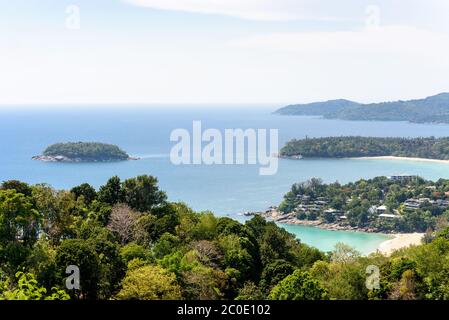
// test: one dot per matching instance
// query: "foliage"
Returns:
(86, 191)
(86, 151)
(142, 194)
(27, 288)
(80, 253)
(149, 283)
(347, 147)
(298, 286)
(358, 201)
(165, 250)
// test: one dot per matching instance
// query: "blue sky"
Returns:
(221, 51)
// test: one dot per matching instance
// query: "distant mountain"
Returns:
(430, 109)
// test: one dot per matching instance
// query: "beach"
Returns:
(402, 240)
(402, 158)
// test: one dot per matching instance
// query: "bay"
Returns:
(225, 190)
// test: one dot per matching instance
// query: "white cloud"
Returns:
(392, 40)
(249, 9)
(393, 11)
(184, 65)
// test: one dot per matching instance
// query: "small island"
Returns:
(357, 147)
(83, 152)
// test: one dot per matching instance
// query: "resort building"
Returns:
(389, 216)
(402, 177)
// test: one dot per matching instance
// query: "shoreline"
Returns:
(397, 240)
(415, 159)
(325, 226)
(400, 241)
(64, 159)
(402, 158)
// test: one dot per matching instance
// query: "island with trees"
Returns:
(400, 204)
(83, 152)
(131, 243)
(353, 147)
(434, 109)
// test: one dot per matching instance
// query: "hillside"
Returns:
(83, 152)
(431, 109)
(348, 147)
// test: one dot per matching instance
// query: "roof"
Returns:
(386, 215)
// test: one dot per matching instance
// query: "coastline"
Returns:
(323, 225)
(387, 247)
(400, 240)
(397, 240)
(44, 158)
(401, 158)
(275, 215)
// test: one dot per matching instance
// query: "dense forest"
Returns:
(410, 204)
(86, 151)
(130, 242)
(430, 109)
(347, 147)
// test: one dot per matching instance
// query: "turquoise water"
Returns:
(327, 239)
(225, 190)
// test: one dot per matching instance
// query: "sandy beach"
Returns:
(403, 158)
(400, 240)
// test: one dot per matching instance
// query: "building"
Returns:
(381, 209)
(402, 177)
(389, 216)
(414, 204)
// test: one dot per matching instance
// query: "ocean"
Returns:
(223, 189)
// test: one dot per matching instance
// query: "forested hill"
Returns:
(430, 109)
(83, 151)
(130, 243)
(347, 147)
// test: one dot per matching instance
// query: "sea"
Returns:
(226, 190)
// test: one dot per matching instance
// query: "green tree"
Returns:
(298, 286)
(27, 288)
(111, 192)
(19, 221)
(274, 272)
(20, 187)
(87, 191)
(134, 251)
(149, 283)
(19, 225)
(81, 254)
(142, 193)
(250, 291)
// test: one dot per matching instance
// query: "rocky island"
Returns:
(83, 152)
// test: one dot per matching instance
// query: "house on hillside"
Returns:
(402, 177)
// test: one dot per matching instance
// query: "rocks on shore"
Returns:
(66, 159)
(273, 213)
(53, 159)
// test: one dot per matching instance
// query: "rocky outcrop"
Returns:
(274, 214)
(53, 159)
(66, 159)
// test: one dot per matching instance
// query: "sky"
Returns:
(56, 52)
